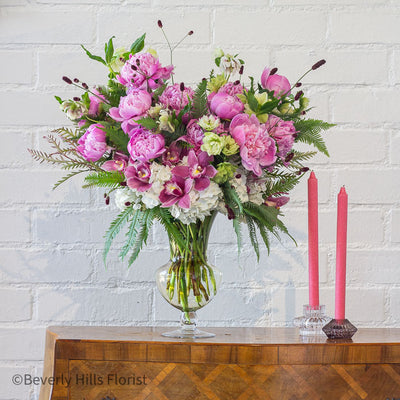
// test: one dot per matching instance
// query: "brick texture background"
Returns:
(51, 270)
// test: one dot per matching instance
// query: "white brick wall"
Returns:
(51, 269)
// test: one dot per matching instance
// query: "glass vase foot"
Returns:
(339, 329)
(188, 329)
(312, 321)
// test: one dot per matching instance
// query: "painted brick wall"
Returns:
(51, 270)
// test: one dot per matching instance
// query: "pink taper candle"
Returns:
(341, 248)
(313, 277)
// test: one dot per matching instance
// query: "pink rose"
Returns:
(275, 83)
(283, 132)
(257, 148)
(143, 71)
(92, 145)
(145, 145)
(95, 102)
(225, 105)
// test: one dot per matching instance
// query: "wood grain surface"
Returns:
(238, 363)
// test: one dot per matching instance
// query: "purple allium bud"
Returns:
(236, 83)
(108, 200)
(66, 79)
(238, 176)
(318, 64)
(298, 94)
(241, 70)
(204, 79)
(182, 86)
(304, 169)
(84, 85)
(76, 80)
(134, 67)
(122, 183)
(137, 62)
(298, 84)
(190, 33)
(77, 99)
(273, 71)
(128, 203)
(289, 157)
(159, 23)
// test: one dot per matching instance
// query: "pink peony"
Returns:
(283, 132)
(257, 148)
(275, 83)
(198, 169)
(194, 135)
(138, 176)
(145, 145)
(225, 105)
(231, 88)
(136, 103)
(92, 145)
(174, 98)
(175, 191)
(95, 103)
(144, 71)
(118, 163)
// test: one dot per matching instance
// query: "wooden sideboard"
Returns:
(132, 363)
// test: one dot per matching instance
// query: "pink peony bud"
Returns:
(275, 83)
(92, 145)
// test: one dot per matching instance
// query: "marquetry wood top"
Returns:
(240, 336)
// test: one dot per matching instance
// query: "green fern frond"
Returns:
(117, 137)
(166, 219)
(200, 100)
(309, 132)
(131, 233)
(253, 235)
(103, 179)
(115, 228)
(66, 177)
(238, 230)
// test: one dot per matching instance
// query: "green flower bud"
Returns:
(166, 122)
(118, 60)
(212, 143)
(304, 102)
(285, 108)
(216, 82)
(225, 172)
(209, 123)
(230, 146)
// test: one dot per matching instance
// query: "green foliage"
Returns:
(131, 233)
(168, 221)
(309, 132)
(113, 92)
(253, 235)
(115, 228)
(66, 177)
(281, 182)
(118, 137)
(93, 57)
(200, 107)
(138, 44)
(103, 179)
(147, 122)
(109, 50)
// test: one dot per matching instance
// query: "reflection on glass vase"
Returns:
(188, 281)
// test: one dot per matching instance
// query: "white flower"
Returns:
(256, 191)
(126, 195)
(229, 64)
(239, 183)
(74, 109)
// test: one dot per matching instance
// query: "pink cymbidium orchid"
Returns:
(138, 176)
(199, 169)
(177, 191)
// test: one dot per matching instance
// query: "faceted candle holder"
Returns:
(312, 321)
(339, 329)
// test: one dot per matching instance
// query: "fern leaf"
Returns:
(309, 132)
(165, 218)
(66, 177)
(200, 100)
(131, 234)
(114, 229)
(118, 137)
(253, 235)
(103, 179)
(238, 230)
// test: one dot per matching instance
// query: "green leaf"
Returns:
(166, 219)
(92, 56)
(85, 99)
(114, 229)
(147, 122)
(309, 132)
(138, 44)
(109, 50)
(58, 99)
(131, 234)
(253, 235)
(253, 103)
(238, 231)
(66, 177)
(218, 61)
(200, 106)
(268, 106)
(104, 179)
(117, 137)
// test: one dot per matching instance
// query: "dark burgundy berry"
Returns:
(318, 64)
(159, 23)
(273, 71)
(66, 79)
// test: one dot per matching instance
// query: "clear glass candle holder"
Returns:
(312, 321)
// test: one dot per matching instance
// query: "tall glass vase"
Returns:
(188, 281)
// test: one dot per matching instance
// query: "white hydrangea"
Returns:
(239, 183)
(256, 190)
(159, 175)
(127, 195)
(201, 204)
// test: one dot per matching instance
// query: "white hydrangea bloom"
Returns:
(256, 191)
(159, 175)
(239, 183)
(126, 195)
(201, 204)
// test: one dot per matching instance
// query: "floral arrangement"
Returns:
(179, 155)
